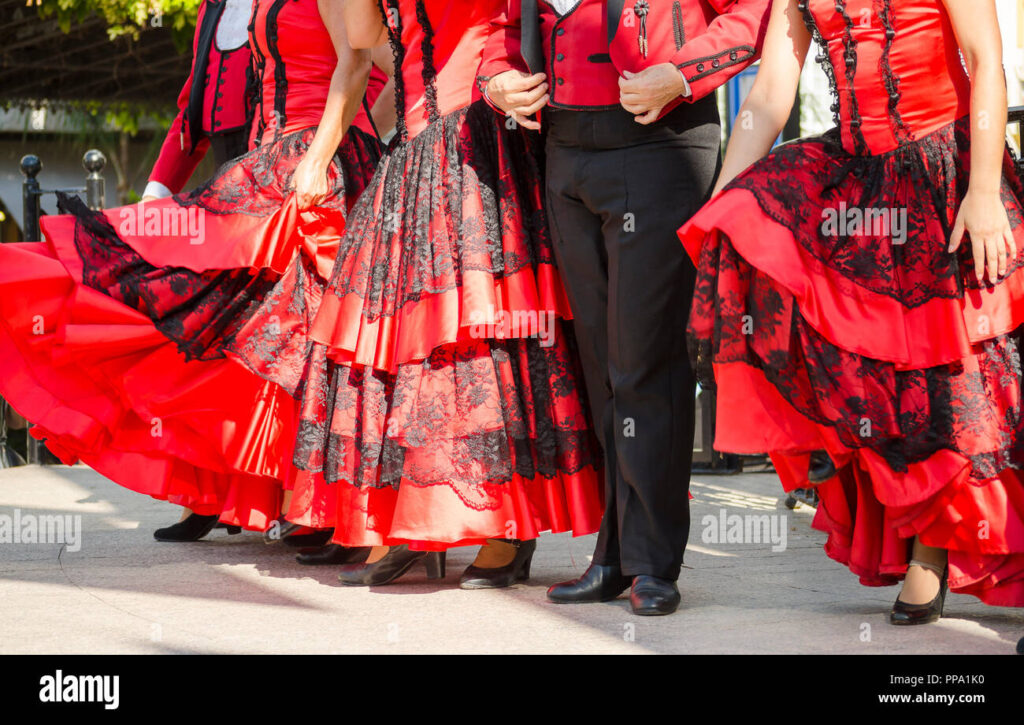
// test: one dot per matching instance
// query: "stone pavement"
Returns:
(123, 592)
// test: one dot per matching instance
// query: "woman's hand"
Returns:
(983, 217)
(309, 183)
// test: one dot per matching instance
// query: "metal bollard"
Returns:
(94, 162)
(30, 193)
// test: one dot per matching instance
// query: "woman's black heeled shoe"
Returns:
(821, 467)
(332, 554)
(391, 566)
(903, 613)
(279, 528)
(517, 570)
(319, 537)
(192, 528)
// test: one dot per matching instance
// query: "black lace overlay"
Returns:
(464, 194)
(922, 182)
(199, 312)
(467, 416)
(256, 183)
(203, 313)
(906, 416)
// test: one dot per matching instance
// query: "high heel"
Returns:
(314, 537)
(332, 554)
(903, 613)
(391, 566)
(191, 528)
(279, 528)
(518, 570)
(821, 467)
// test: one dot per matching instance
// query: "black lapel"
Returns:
(530, 47)
(614, 17)
(194, 111)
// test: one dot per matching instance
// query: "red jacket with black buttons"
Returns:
(223, 110)
(710, 41)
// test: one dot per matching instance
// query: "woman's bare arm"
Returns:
(348, 84)
(770, 101)
(982, 215)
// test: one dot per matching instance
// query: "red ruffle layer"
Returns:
(105, 387)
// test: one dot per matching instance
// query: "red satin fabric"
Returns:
(103, 386)
(295, 57)
(846, 328)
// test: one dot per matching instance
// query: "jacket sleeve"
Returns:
(174, 165)
(731, 43)
(501, 53)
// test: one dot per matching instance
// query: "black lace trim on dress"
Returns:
(280, 78)
(389, 7)
(822, 58)
(200, 312)
(257, 64)
(926, 178)
(860, 145)
(429, 71)
(900, 130)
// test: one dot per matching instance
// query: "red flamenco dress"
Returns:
(119, 331)
(435, 416)
(872, 341)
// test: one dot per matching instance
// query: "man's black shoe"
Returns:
(651, 596)
(598, 584)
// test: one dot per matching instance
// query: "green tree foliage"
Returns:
(127, 17)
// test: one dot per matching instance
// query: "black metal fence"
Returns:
(31, 194)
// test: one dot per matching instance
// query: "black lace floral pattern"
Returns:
(203, 312)
(199, 312)
(926, 180)
(462, 195)
(257, 183)
(972, 407)
(470, 415)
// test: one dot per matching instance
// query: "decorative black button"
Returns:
(560, 56)
(561, 81)
(220, 108)
(715, 63)
(733, 55)
(561, 31)
(700, 67)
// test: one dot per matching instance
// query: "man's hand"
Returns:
(519, 95)
(646, 93)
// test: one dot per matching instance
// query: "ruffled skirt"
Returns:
(442, 403)
(829, 315)
(117, 332)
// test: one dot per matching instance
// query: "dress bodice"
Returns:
(438, 45)
(294, 55)
(895, 65)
